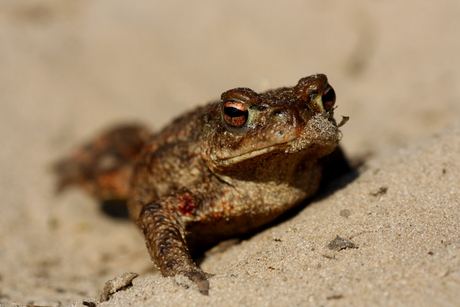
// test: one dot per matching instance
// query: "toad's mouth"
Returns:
(257, 152)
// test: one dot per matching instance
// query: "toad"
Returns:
(221, 170)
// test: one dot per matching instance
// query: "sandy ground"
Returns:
(70, 68)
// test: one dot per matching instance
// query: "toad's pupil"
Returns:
(234, 112)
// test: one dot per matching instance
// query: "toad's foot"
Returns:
(165, 241)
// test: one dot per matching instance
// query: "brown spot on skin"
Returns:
(227, 206)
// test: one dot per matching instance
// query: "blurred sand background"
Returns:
(70, 68)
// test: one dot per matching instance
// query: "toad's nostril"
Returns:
(280, 115)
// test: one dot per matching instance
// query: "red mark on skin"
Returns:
(187, 205)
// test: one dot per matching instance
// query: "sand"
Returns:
(70, 69)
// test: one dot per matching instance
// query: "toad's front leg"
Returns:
(165, 239)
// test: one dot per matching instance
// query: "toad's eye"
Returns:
(235, 113)
(328, 98)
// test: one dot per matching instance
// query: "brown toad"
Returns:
(222, 170)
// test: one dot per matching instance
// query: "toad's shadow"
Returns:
(116, 209)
